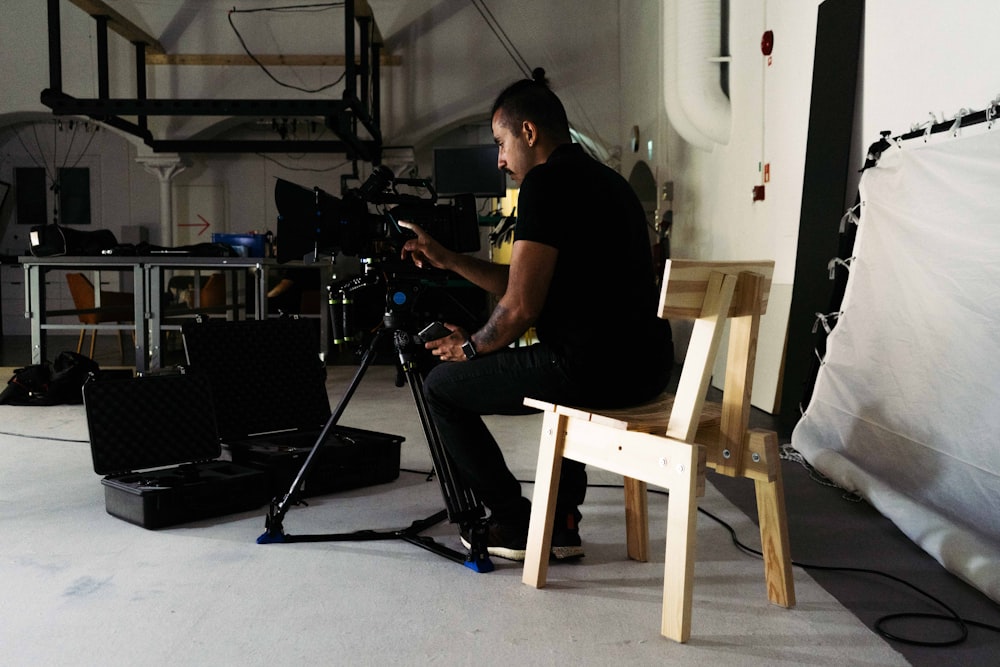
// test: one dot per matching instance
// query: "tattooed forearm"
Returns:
(503, 328)
(489, 338)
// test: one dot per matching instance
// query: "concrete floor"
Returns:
(84, 588)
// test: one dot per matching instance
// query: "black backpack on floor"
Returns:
(50, 383)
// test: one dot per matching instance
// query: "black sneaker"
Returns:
(566, 543)
(502, 540)
(510, 542)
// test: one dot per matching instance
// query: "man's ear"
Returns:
(530, 132)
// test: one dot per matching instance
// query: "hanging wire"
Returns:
(283, 165)
(76, 128)
(52, 172)
(287, 8)
(38, 144)
(519, 61)
(502, 37)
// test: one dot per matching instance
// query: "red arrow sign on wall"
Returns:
(203, 224)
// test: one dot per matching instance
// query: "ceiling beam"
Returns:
(120, 24)
(364, 150)
(270, 60)
(63, 105)
(362, 8)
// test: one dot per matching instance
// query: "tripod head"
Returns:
(397, 295)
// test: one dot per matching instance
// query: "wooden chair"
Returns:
(671, 441)
(213, 292)
(115, 307)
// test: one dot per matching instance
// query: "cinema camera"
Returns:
(312, 222)
(391, 291)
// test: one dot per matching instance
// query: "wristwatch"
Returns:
(470, 349)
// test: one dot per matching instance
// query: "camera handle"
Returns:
(461, 506)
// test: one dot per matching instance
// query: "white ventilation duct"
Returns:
(696, 105)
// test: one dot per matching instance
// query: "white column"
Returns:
(165, 167)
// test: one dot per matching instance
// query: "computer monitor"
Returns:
(468, 169)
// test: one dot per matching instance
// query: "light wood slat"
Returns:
(684, 283)
(268, 60)
(736, 391)
(120, 24)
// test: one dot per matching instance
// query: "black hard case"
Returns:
(271, 404)
(155, 440)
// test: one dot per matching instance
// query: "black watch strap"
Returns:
(470, 349)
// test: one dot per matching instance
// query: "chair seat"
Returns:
(653, 416)
(649, 417)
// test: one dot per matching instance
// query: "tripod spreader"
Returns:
(461, 505)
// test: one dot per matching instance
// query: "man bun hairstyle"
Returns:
(532, 100)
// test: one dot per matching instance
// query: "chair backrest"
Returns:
(115, 306)
(213, 292)
(712, 293)
(82, 291)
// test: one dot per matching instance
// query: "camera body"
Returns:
(313, 222)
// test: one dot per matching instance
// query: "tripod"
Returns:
(461, 506)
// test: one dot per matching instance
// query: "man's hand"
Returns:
(449, 348)
(424, 249)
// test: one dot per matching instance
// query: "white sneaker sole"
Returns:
(559, 553)
(500, 552)
(566, 553)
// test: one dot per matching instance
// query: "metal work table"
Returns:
(155, 266)
(147, 283)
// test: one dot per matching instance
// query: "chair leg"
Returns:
(93, 341)
(774, 529)
(678, 570)
(543, 501)
(636, 520)
(79, 342)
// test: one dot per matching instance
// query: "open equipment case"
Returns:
(271, 404)
(154, 439)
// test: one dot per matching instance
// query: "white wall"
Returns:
(715, 216)
(924, 57)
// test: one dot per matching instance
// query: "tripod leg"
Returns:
(276, 512)
(462, 505)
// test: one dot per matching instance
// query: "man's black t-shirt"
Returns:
(600, 312)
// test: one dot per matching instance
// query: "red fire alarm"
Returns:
(767, 42)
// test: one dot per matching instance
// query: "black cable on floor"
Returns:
(43, 437)
(879, 626)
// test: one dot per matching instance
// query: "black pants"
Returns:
(458, 394)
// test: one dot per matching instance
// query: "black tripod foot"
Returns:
(480, 565)
(478, 558)
(274, 532)
(271, 538)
